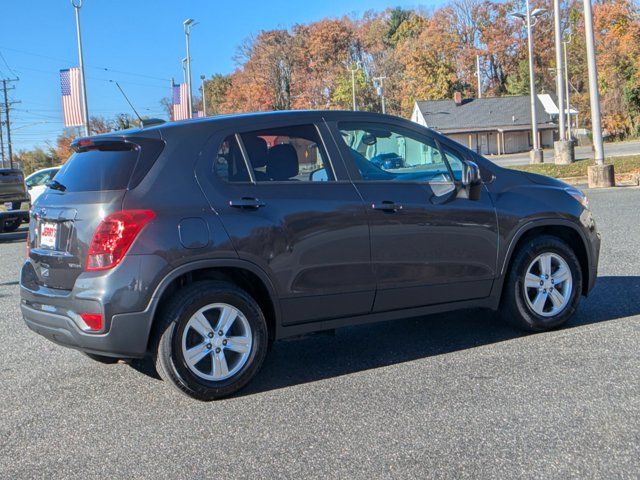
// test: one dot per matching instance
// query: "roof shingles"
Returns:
(481, 113)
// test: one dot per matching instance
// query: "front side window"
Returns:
(287, 154)
(384, 152)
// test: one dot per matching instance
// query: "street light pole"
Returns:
(188, 25)
(567, 90)
(537, 155)
(564, 150)
(77, 5)
(600, 175)
(559, 69)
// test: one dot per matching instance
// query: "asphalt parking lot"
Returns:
(457, 396)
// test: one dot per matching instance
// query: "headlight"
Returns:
(578, 195)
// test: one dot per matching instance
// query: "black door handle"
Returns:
(387, 206)
(247, 202)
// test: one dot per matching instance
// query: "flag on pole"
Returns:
(198, 114)
(180, 102)
(71, 97)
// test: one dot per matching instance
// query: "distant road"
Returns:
(610, 149)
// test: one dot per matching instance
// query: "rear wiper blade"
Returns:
(56, 185)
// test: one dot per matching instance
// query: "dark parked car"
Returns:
(13, 195)
(201, 242)
(387, 161)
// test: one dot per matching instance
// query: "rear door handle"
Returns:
(247, 202)
(387, 206)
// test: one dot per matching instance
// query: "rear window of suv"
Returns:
(99, 169)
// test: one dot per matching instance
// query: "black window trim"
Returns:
(245, 158)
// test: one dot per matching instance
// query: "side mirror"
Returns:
(319, 175)
(472, 180)
(471, 174)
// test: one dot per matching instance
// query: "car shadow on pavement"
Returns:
(353, 349)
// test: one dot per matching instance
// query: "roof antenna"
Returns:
(129, 102)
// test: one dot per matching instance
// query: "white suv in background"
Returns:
(37, 181)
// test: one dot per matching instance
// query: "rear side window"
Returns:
(96, 170)
(229, 164)
(287, 154)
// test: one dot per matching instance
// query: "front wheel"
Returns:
(544, 285)
(212, 340)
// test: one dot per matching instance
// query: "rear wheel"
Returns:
(212, 339)
(544, 285)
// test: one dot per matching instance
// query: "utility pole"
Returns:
(478, 75)
(204, 97)
(77, 5)
(380, 89)
(7, 122)
(600, 175)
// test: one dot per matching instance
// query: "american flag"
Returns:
(180, 102)
(71, 97)
(198, 114)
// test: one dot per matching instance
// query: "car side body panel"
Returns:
(311, 253)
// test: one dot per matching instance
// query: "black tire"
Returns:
(173, 319)
(11, 226)
(515, 308)
(102, 358)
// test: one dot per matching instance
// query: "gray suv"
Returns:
(199, 243)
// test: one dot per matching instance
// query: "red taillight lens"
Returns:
(114, 236)
(93, 321)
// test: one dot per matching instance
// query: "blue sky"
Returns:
(141, 43)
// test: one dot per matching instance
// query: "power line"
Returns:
(7, 65)
(106, 69)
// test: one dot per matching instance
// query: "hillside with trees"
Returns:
(430, 54)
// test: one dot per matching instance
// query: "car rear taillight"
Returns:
(92, 321)
(114, 236)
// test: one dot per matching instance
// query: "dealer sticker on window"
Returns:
(48, 233)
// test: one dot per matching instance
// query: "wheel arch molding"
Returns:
(221, 269)
(551, 226)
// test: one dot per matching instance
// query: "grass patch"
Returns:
(621, 165)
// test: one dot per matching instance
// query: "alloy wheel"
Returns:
(548, 284)
(216, 342)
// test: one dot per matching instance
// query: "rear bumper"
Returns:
(122, 296)
(125, 339)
